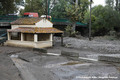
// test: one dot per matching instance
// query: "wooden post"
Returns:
(53, 39)
(61, 39)
(46, 8)
(90, 21)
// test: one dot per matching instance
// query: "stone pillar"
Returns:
(9, 36)
(51, 37)
(35, 38)
(22, 37)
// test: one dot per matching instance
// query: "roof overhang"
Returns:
(35, 30)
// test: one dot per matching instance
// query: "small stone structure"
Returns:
(31, 32)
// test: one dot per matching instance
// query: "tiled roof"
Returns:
(35, 30)
(26, 21)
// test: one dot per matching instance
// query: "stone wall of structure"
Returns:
(30, 44)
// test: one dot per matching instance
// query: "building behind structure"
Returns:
(5, 21)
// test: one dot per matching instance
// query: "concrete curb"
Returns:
(40, 50)
(109, 59)
(75, 56)
(69, 54)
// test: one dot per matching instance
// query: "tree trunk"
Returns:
(74, 26)
(76, 3)
(116, 5)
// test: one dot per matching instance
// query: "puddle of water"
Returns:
(53, 54)
(14, 56)
(90, 59)
(63, 64)
(72, 63)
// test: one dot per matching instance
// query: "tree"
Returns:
(76, 13)
(58, 10)
(34, 6)
(117, 6)
(110, 3)
(9, 6)
(104, 19)
(73, 14)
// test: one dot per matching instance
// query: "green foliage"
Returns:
(34, 6)
(115, 4)
(73, 34)
(118, 35)
(70, 32)
(73, 13)
(9, 6)
(112, 33)
(104, 19)
(58, 11)
(68, 9)
(111, 38)
(76, 13)
(110, 3)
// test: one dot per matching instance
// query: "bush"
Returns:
(118, 35)
(112, 33)
(69, 31)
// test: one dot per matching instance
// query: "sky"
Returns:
(97, 2)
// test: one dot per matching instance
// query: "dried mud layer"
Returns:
(98, 45)
(26, 64)
(8, 70)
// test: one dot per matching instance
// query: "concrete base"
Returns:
(110, 58)
(29, 44)
(70, 54)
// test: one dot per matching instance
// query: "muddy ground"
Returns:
(26, 64)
